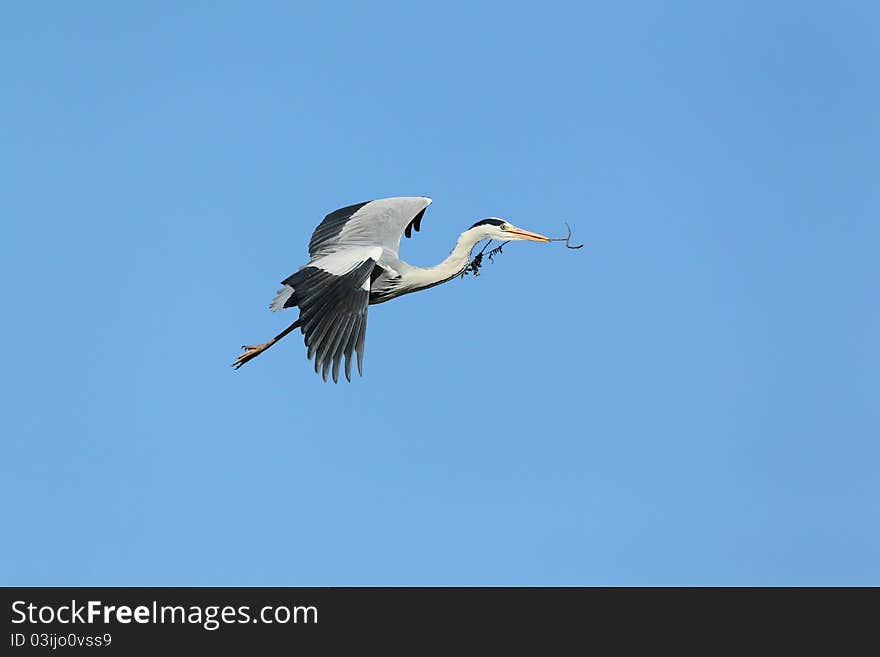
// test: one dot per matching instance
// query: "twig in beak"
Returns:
(566, 239)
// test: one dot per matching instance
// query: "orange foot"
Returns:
(251, 351)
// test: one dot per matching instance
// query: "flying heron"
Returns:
(354, 263)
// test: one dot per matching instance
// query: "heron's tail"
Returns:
(284, 298)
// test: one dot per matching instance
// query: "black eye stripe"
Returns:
(493, 222)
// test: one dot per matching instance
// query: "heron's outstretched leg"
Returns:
(252, 351)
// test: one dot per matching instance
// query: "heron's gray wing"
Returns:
(333, 303)
(375, 223)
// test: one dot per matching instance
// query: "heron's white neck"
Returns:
(456, 263)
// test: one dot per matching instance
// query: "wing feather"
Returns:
(333, 308)
(381, 222)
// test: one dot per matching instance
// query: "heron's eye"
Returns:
(505, 226)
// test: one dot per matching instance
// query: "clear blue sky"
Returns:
(690, 399)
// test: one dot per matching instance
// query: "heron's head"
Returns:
(494, 228)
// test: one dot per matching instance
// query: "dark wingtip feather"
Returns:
(415, 223)
(360, 346)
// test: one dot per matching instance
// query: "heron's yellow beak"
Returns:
(528, 235)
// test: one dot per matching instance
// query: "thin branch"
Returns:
(567, 239)
(477, 261)
(494, 252)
